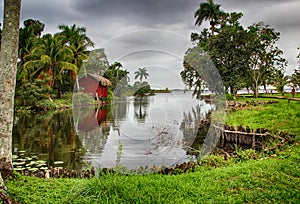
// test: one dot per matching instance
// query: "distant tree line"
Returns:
(244, 57)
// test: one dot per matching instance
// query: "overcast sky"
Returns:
(155, 33)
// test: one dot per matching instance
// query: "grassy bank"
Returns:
(282, 116)
(270, 180)
(274, 177)
(46, 104)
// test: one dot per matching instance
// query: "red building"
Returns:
(92, 84)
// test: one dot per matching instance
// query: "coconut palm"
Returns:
(208, 11)
(76, 37)
(50, 56)
(141, 73)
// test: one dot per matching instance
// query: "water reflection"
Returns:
(153, 130)
(140, 108)
(50, 136)
(92, 126)
(195, 126)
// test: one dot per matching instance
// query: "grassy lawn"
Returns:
(271, 179)
(282, 116)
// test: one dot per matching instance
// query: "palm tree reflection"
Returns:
(140, 108)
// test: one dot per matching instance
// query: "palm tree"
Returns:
(141, 73)
(208, 11)
(50, 56)
(76, 37)
(8, 66)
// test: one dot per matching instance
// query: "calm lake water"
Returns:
(155, 130)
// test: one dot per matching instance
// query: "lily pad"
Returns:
(18, 163)
(14, 157)
(58, 162)
(41, 162)
(44, 168)
(19, 168)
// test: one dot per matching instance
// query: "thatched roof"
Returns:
(103, 80)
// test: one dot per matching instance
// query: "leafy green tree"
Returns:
(97, 63)
(119, 79)
(28, 36)
(26, 42)
(229, 54)
(243, 57)
(279, 81)
(265, 57)
(36, 26)
(142, 88)
(141, 73)
(208, 11)
(295, 78)
(195, 73)
(226, 53)
(31, 92)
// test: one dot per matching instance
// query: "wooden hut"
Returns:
(95, 85)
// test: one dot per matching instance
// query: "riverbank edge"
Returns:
(281, 169)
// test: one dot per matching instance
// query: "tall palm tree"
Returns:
(141, 73)
(76, 37)
(50, 56)
(8, 66)
(208, 11)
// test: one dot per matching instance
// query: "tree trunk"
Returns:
(265, 88)
(8, 66)
(255, 89)
(233, 91)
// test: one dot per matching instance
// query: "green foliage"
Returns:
(142, 89)
(279, 80)
(295, 78)
(59, 57)
(281, 115)
(266, 58)
(82, 99)
(36, 26)
(119, 79)
(229, 97)
(161, 90)
(245, 155)
(97, 63)
(208, 11)
(243, 57)
(269, 180)
(212, 160)
(30, 93)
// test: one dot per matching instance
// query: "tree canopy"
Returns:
(244, 57)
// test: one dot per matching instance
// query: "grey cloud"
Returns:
(143, 12)
(114, 24)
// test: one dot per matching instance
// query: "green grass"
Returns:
(282, 116)
(271, 179)
(286, 94)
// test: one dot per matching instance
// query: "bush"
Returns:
(229, 97)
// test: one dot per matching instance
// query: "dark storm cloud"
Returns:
(137, 11)
(116, 24)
